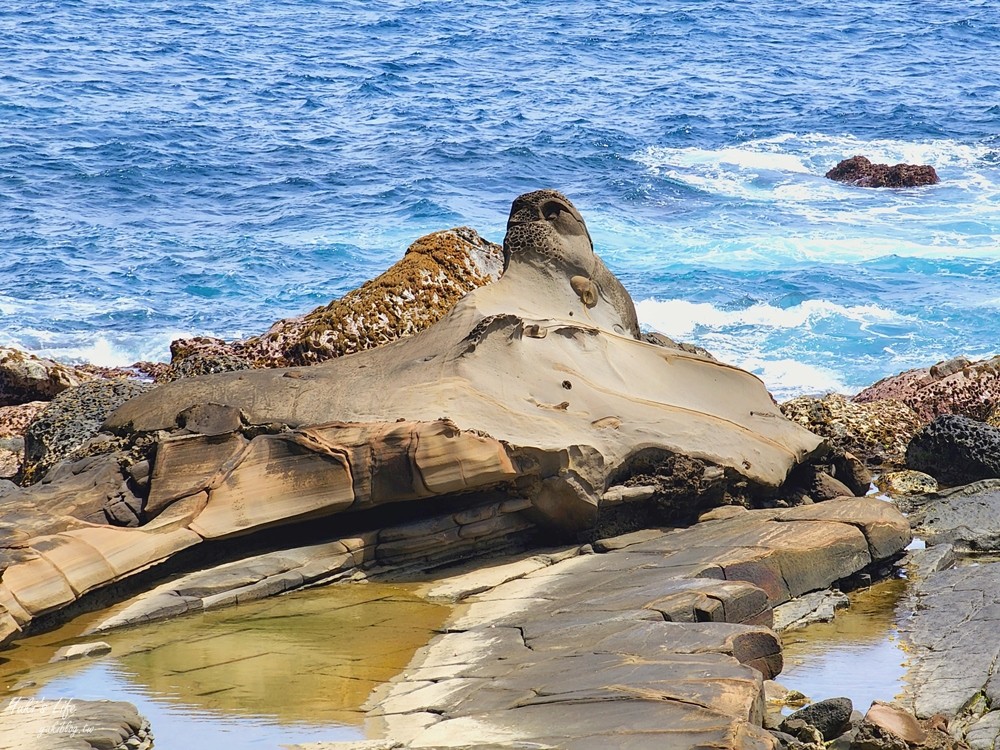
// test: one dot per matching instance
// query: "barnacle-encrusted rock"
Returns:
(858, 170)
(955, 386)
(876, 431)
(436, 271)
(536, 389)
(71, 419)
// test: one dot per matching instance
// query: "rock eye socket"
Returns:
(551, 210)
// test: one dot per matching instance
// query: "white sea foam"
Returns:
(679, 318)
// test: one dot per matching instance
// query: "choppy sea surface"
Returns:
(173, 167)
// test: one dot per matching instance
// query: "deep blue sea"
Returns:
(170, 167)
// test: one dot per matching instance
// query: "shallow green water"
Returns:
(295, 668)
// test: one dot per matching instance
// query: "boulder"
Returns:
(26, 377)
(436, 271)
(956, 450)
(955, 386)
(830, 717)
(858, 170)
(906, 482)
(966, 517)
(875, 431)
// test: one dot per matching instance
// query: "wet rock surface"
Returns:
(860, 171)
(650, 644)
(956, 450)
(966, 517)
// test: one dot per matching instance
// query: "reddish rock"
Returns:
(957, 386)
(861, 172)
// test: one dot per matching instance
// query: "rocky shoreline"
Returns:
(480, 417)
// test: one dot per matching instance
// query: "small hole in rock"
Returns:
(567, 385)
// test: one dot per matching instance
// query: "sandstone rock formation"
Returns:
(436, 271)
(25, 377)
(966, 517)
(858, 170)
(660, 641)
(955, 386)
(536, 389)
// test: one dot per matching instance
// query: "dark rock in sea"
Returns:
(956, 386)
(831, 717)
(74, 417)
(858, 170)
(956, 450)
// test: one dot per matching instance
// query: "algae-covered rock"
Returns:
(436, 271)
(876, 432)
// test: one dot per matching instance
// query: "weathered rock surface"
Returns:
(966, 517)
(906, 482)
(659, 642)
(952, 646)
(26, 377)
(70, 420)
(37, 724)
(436, 271)
(956, 450)
(955, 386)
(876, 431)
(858, 170)
(551, 402)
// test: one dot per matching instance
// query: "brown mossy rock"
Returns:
(955, 386)
(877, 431)
(25, 377)
(859, 170)
(436, 271)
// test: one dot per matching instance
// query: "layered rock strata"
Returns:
(663, 640)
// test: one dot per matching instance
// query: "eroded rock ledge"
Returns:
(662, 641)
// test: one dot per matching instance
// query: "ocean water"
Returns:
(178, 167)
